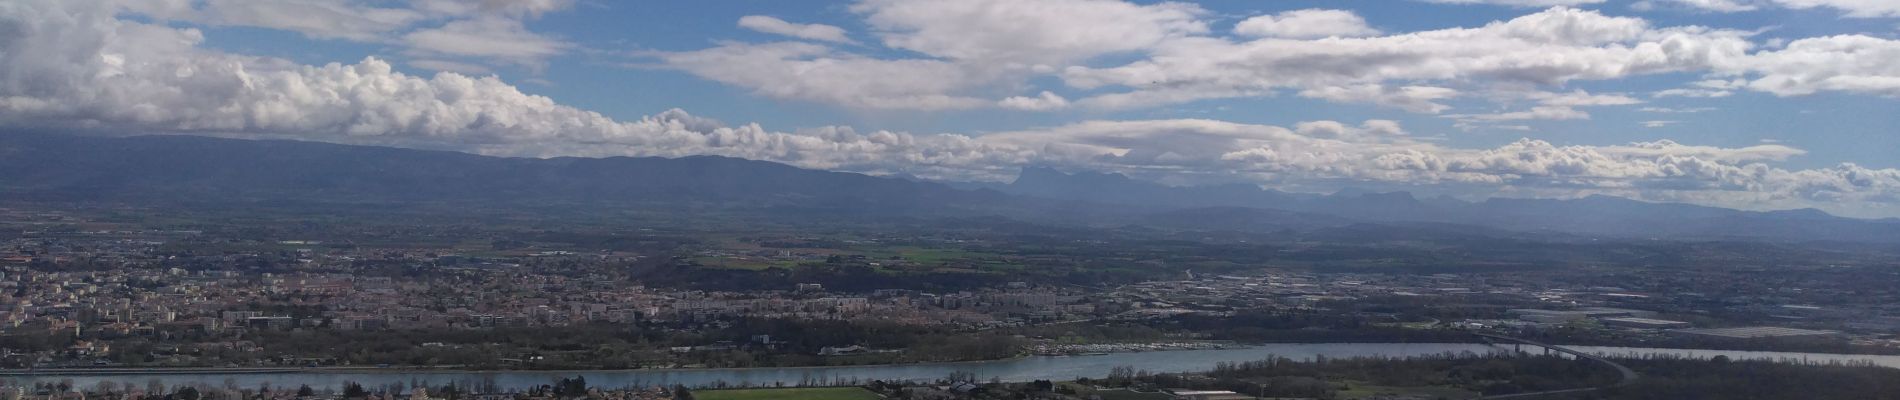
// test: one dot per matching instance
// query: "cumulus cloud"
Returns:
(1846, 63)
(1306, 24)
(1848, 8)
(488, 37)
(1692, 92)
(1672, 110)
(1418, 99)
(1027, 33)
(1328, 150)
(77, 66)
(773, 25)
(1550, 106)
(434, 28)
(805, 71)
(1520, 3)
(1119, 55)
(507, 8)
(1580, 98)
(1545, 48)
(972, 48)
(314, 18)
(1367, 130)
(1534, 113)
(450, 66)
(1042, 102)
(1852, 8)
(1726, 6)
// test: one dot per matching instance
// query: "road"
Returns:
(1629, 375)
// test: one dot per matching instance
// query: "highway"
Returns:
(1629, 375)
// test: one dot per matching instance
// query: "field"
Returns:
(1361, 390)
(1131, 395)
(850, 393)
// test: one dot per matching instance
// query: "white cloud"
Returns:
(805, 71)
(1306, 24)
(1691, 92)
(772, 25)
(1319, 151)
(74, 65)
(79, 67)
(315, 18)
(1669, 110)
(1659, 123)
(988, 53)
(1370, 129)
(431, 28)
(1546, 48)
(488, 37)
(1708, 88)
(1852, 8)
(1846, 63)
(1418, 99)
(1520, 3)
(1042, 102)
(1669, 148)
(450, 66)
(505, 8)
(1848, 8)
(1550, 106)
(1027, 33)
(975, 48)
(1580, 98)
(1726, 6)
(1534, 113)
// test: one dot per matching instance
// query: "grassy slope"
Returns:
(850, 393)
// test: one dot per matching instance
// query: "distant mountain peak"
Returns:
(1044, 175)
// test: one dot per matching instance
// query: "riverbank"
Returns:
(1106, 348)
(1022, 369)
(1067, 350)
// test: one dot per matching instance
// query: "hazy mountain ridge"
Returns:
(200, 169)
(1593, 215)
(136, 168)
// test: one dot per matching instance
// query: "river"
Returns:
(1015, 370)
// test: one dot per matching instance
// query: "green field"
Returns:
(849, 393)
(1362, 390)
(1131, 395)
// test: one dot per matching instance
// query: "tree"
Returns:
(185, 393)
(306, 391)
(353, 390)
(571, 387)
(1043, 385)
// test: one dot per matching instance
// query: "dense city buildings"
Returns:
(114, 294)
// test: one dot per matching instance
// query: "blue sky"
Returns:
(1833, 128)
(1758, 104)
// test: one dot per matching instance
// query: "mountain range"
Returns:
(154, 169)
(1592, 215)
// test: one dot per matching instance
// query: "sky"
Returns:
(1751, 104)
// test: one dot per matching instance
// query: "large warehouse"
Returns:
(1755, 332)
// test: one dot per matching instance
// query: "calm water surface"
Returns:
(1017, 370)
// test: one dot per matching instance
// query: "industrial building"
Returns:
(1645, 323)
(1561, 316)
(1206, 394)
(1755, 332)
(1549, 316)
(1610, 312)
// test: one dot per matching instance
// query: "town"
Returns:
(86, 292)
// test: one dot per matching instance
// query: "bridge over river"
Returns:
(1629, 375)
